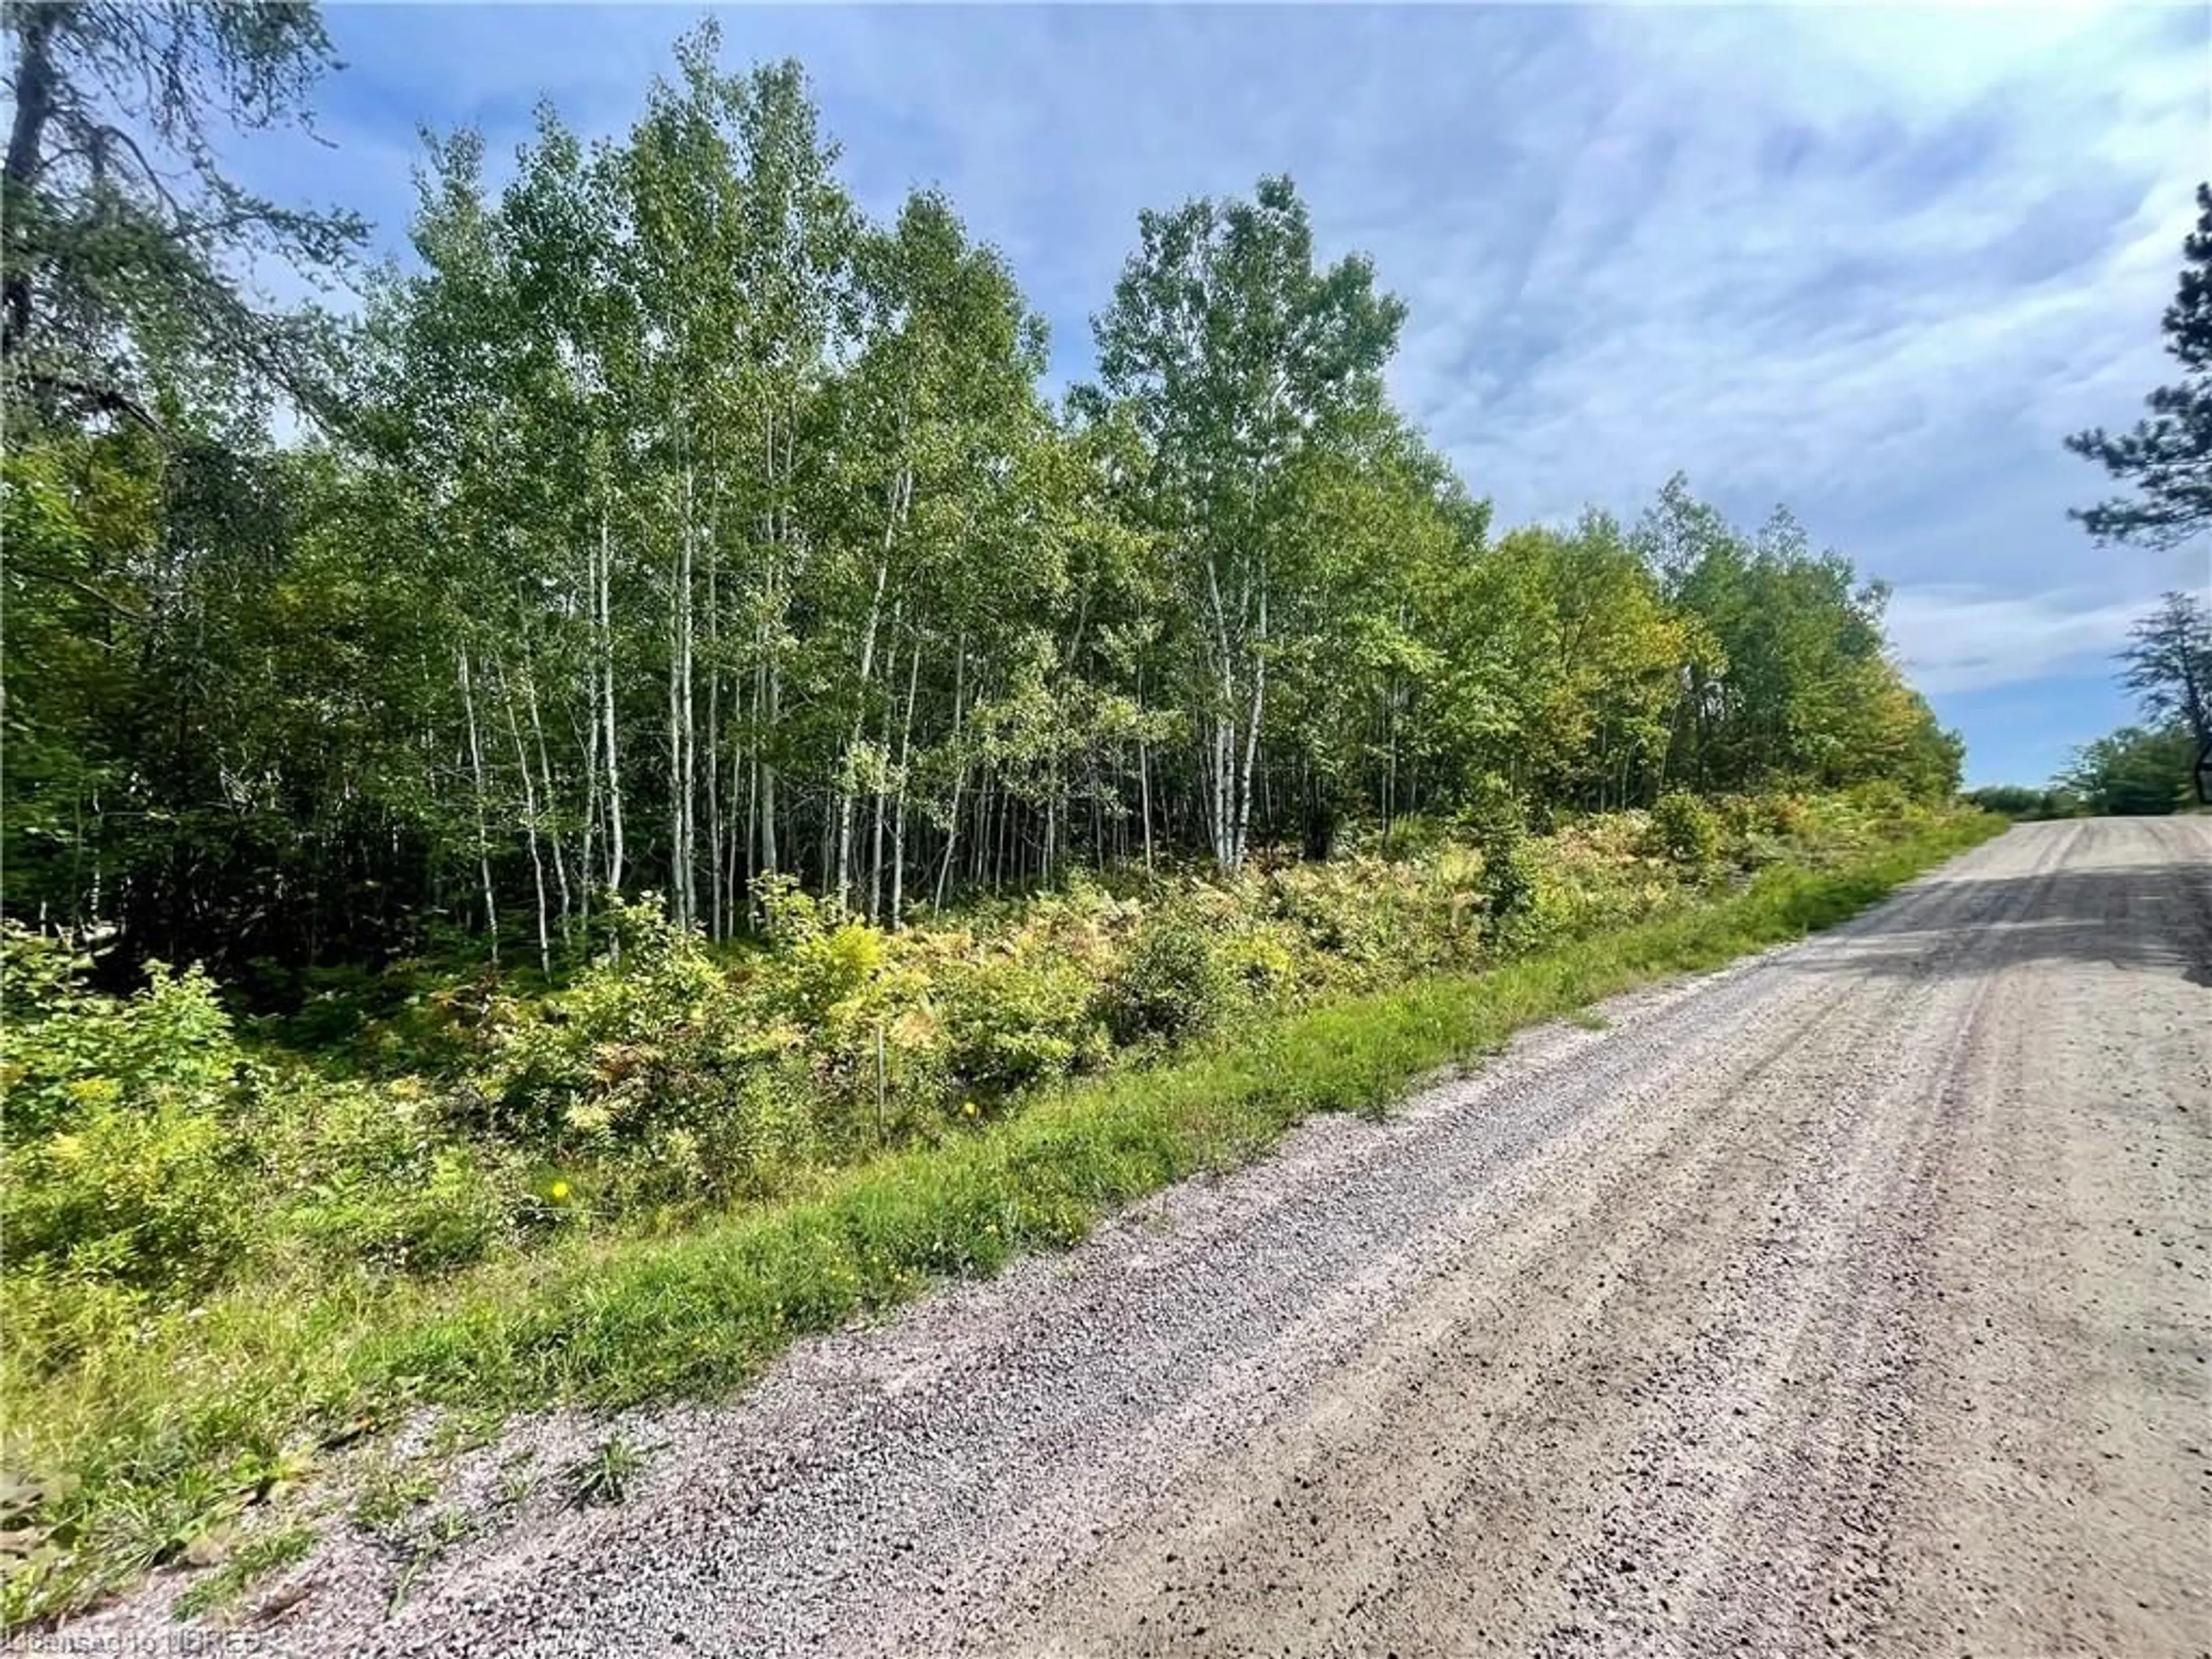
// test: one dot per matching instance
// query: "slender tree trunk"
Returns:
(753, 778)
(675, 746)
(1145, 799)
(959, 772)
(1051, 828)
(1390, 767)
(1144, 774)
(738, 812)
(760, 818)
(483, 832)
(1252, 730)
(905, 755)
(33, 94)
(585, 872)
(529, 825)
(687, 796)
(875, 851)
(768, 768)
(902, 488)
(986, 802)
(545, 772)
(714, 728)
(998, 860)
(2194, 699)
(607, 709)
(1221, 726)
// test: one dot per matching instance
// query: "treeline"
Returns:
(2161, 766)
(669, 526)
(2136, 771)
(2133, 772)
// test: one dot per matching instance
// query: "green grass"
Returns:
(181, 1429)
(253, 1561)
(604, 1475)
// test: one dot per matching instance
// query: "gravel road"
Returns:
(1855, 1298)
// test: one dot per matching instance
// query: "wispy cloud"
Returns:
(1963, 638)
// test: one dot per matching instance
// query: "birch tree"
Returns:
(1236, 355)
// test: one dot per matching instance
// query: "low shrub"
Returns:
(667, 1074)
(63, 1045)
(143, 1192)
(2027, 805)
(123, 1160)
(1171, 985)
(1511, 919)
(1688, 833)
(1017, 1017)
(369, 1177)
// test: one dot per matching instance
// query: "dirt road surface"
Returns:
(1855, 1298)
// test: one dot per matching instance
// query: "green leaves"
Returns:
(120, 292)
(2133, 772)
(1230, 347)
(2167, 457)
(1246, 371)
(2169, 668)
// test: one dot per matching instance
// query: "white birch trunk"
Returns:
(529, 825)
(607, 710)
(546, 774)
(484, 834)
(1252, 730)
(898, 830)
(714, 728)
(900, 487)
(1143, 775)
(959, 774)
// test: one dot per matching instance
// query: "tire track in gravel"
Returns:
(1855, 1297)
(1647, 1266)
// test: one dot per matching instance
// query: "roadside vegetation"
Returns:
(229, 1254)
(663, 525)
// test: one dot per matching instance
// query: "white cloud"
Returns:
(1787, 335)
(1965, 638)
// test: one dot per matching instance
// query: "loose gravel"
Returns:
(1857, 1297)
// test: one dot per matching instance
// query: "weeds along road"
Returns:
(1855, 1297)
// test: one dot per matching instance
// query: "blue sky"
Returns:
(1874, 263)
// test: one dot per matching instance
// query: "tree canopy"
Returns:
(681, 528)
(2135, 772)
(2167, 457)
(2168, 665)
(126, 247)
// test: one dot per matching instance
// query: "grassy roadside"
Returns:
(175, 1436)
